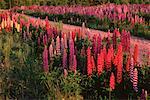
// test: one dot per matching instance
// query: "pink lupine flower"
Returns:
(64, 59)
(45, 39)
(89, 65)
(58, 45)
(62, 45)
(109, 57)
(71, 47)
(135, 80)
(65, 41)
(112, 82)
(45, 60)
(51, 51)
(74, 68)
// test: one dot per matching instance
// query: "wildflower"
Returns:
(93, 63)
(128, 63)
(74, 64)
(135, 54)
(71, 47)
(131, 69)
(100, 63)
(51, 52)
(112, 82)
(119, 63)
(64, 59)
(99, 43)
(58, 45)
(135, 80)
(89, 65)
(45, 59)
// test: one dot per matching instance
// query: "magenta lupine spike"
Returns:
(58, 45)
(71, 47)
(99, 43)
(74, 64)
(64, 59)
(135, 80)
(65, 41)
(62, 45)
(45, 60)
(51, 51)
(131, 69)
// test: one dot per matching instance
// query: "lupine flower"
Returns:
(131, 69)
(62, 45)
(71, 47)
(58, 45)
(74, 68)
(135, 54)
(65, 41)
(109, 57)
(119, 63)
(51, 51)
(112, 82)
(45, 39)
(99, 43)
(45, 60)
(93, 63)
(135, 80)
(89, 65)
(64, 59)
(65, 73)
(100, 63)
(128, 63)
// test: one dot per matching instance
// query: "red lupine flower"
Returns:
(100, 63)
(109, 57)
(119, 63)
(135, 54)
(93, 63)
(89, 65)
(45, 60)
(112, 82)
(135, 80)
(131, 69)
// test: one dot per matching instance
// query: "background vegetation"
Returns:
(11, 3)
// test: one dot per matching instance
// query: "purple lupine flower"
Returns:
(45, 60)
(135, 80)
(131, 69)
(58, 45)
(64, 59)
